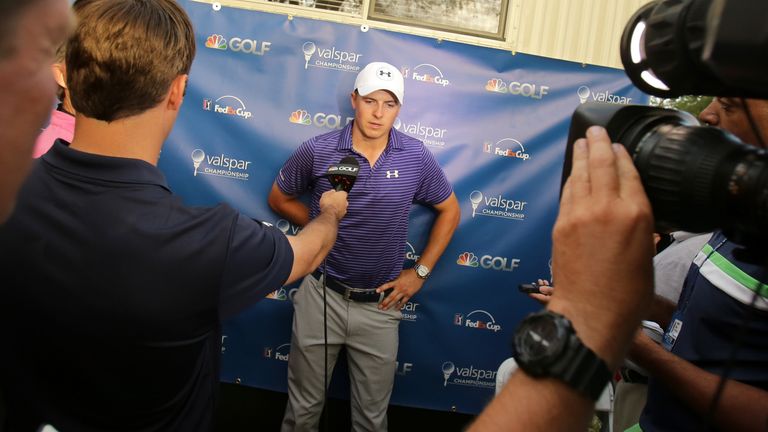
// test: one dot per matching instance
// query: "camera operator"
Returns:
(605, 221)
(718, 296)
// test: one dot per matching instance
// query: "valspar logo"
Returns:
(507, 147)
(330, 58)
(470, 376)
(237, 44)
(586, 94)
(430, 135)
(515, 88)
(321, 120)
(427, 73)
(497, 206)
(219, 165)
(488, 262)
(228, 105)
(410, 311)
(477, 319)
(279, 353)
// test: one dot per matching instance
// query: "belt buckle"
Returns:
(347, 294)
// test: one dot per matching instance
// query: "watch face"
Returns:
(422, 271)
(540, 339)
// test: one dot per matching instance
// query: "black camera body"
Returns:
(697, 178)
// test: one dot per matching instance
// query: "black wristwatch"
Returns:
(546, 345)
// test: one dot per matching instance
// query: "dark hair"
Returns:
(125, 54)
(10, 10)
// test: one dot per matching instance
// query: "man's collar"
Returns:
(106, 168)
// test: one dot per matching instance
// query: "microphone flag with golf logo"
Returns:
(343, 174)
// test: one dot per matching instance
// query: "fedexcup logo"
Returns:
(507, 147)
(427, 73)
(585, 94)
(329, 58)
(219, 165)
(410, 252)
(496, 206)
(280, 353)
(467, 376)
(228, 105)
(482, 321)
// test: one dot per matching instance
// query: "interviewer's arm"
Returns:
(312, 244)
(602, 234)
(741, 408)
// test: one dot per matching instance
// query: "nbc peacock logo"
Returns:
(216, 41)
(467, 259)
(300, 117)
(496, 85)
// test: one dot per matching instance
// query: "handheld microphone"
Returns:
(343, 174)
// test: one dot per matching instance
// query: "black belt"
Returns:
(353, 294)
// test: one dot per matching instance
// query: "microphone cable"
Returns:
(325, 348)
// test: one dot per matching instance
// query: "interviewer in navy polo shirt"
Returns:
(395, 171)
(113, 290)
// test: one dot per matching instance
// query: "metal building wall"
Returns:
(584, 31)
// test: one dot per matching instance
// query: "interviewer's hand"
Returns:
(603, 236)
(334, 202)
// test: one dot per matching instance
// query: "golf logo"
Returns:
(467, 259)
(237, 44)
(586, 94)
(219, 165)
(329, 58)
(506, 147)
(488, 262)
(515, 88)
(427, 73)
(497, 206)
(469, 376)
(216, 41)
(321, 120)
(482, 321)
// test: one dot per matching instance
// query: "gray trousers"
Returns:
(371, 338)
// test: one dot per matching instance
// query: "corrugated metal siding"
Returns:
(584, 31)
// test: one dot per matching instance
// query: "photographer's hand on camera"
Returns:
(605, 222)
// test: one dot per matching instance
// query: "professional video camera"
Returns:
(697, 178)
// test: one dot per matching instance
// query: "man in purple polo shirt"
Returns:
(365, 276)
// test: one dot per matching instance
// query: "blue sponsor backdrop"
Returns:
(497, 123)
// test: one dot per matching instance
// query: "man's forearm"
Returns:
(527, 404)
(440, 236)
(312, 244)
(741, 406)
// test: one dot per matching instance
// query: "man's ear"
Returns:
(177, 91)
(60, 74)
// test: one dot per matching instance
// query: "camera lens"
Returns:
(697, 178)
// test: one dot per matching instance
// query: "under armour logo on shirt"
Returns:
(391, 174)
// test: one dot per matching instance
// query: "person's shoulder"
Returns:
(327, 139)
(409, 143)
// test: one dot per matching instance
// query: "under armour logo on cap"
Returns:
(380, 76)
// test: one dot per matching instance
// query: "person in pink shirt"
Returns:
(62, 122)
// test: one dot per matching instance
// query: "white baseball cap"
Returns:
(380, 76)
